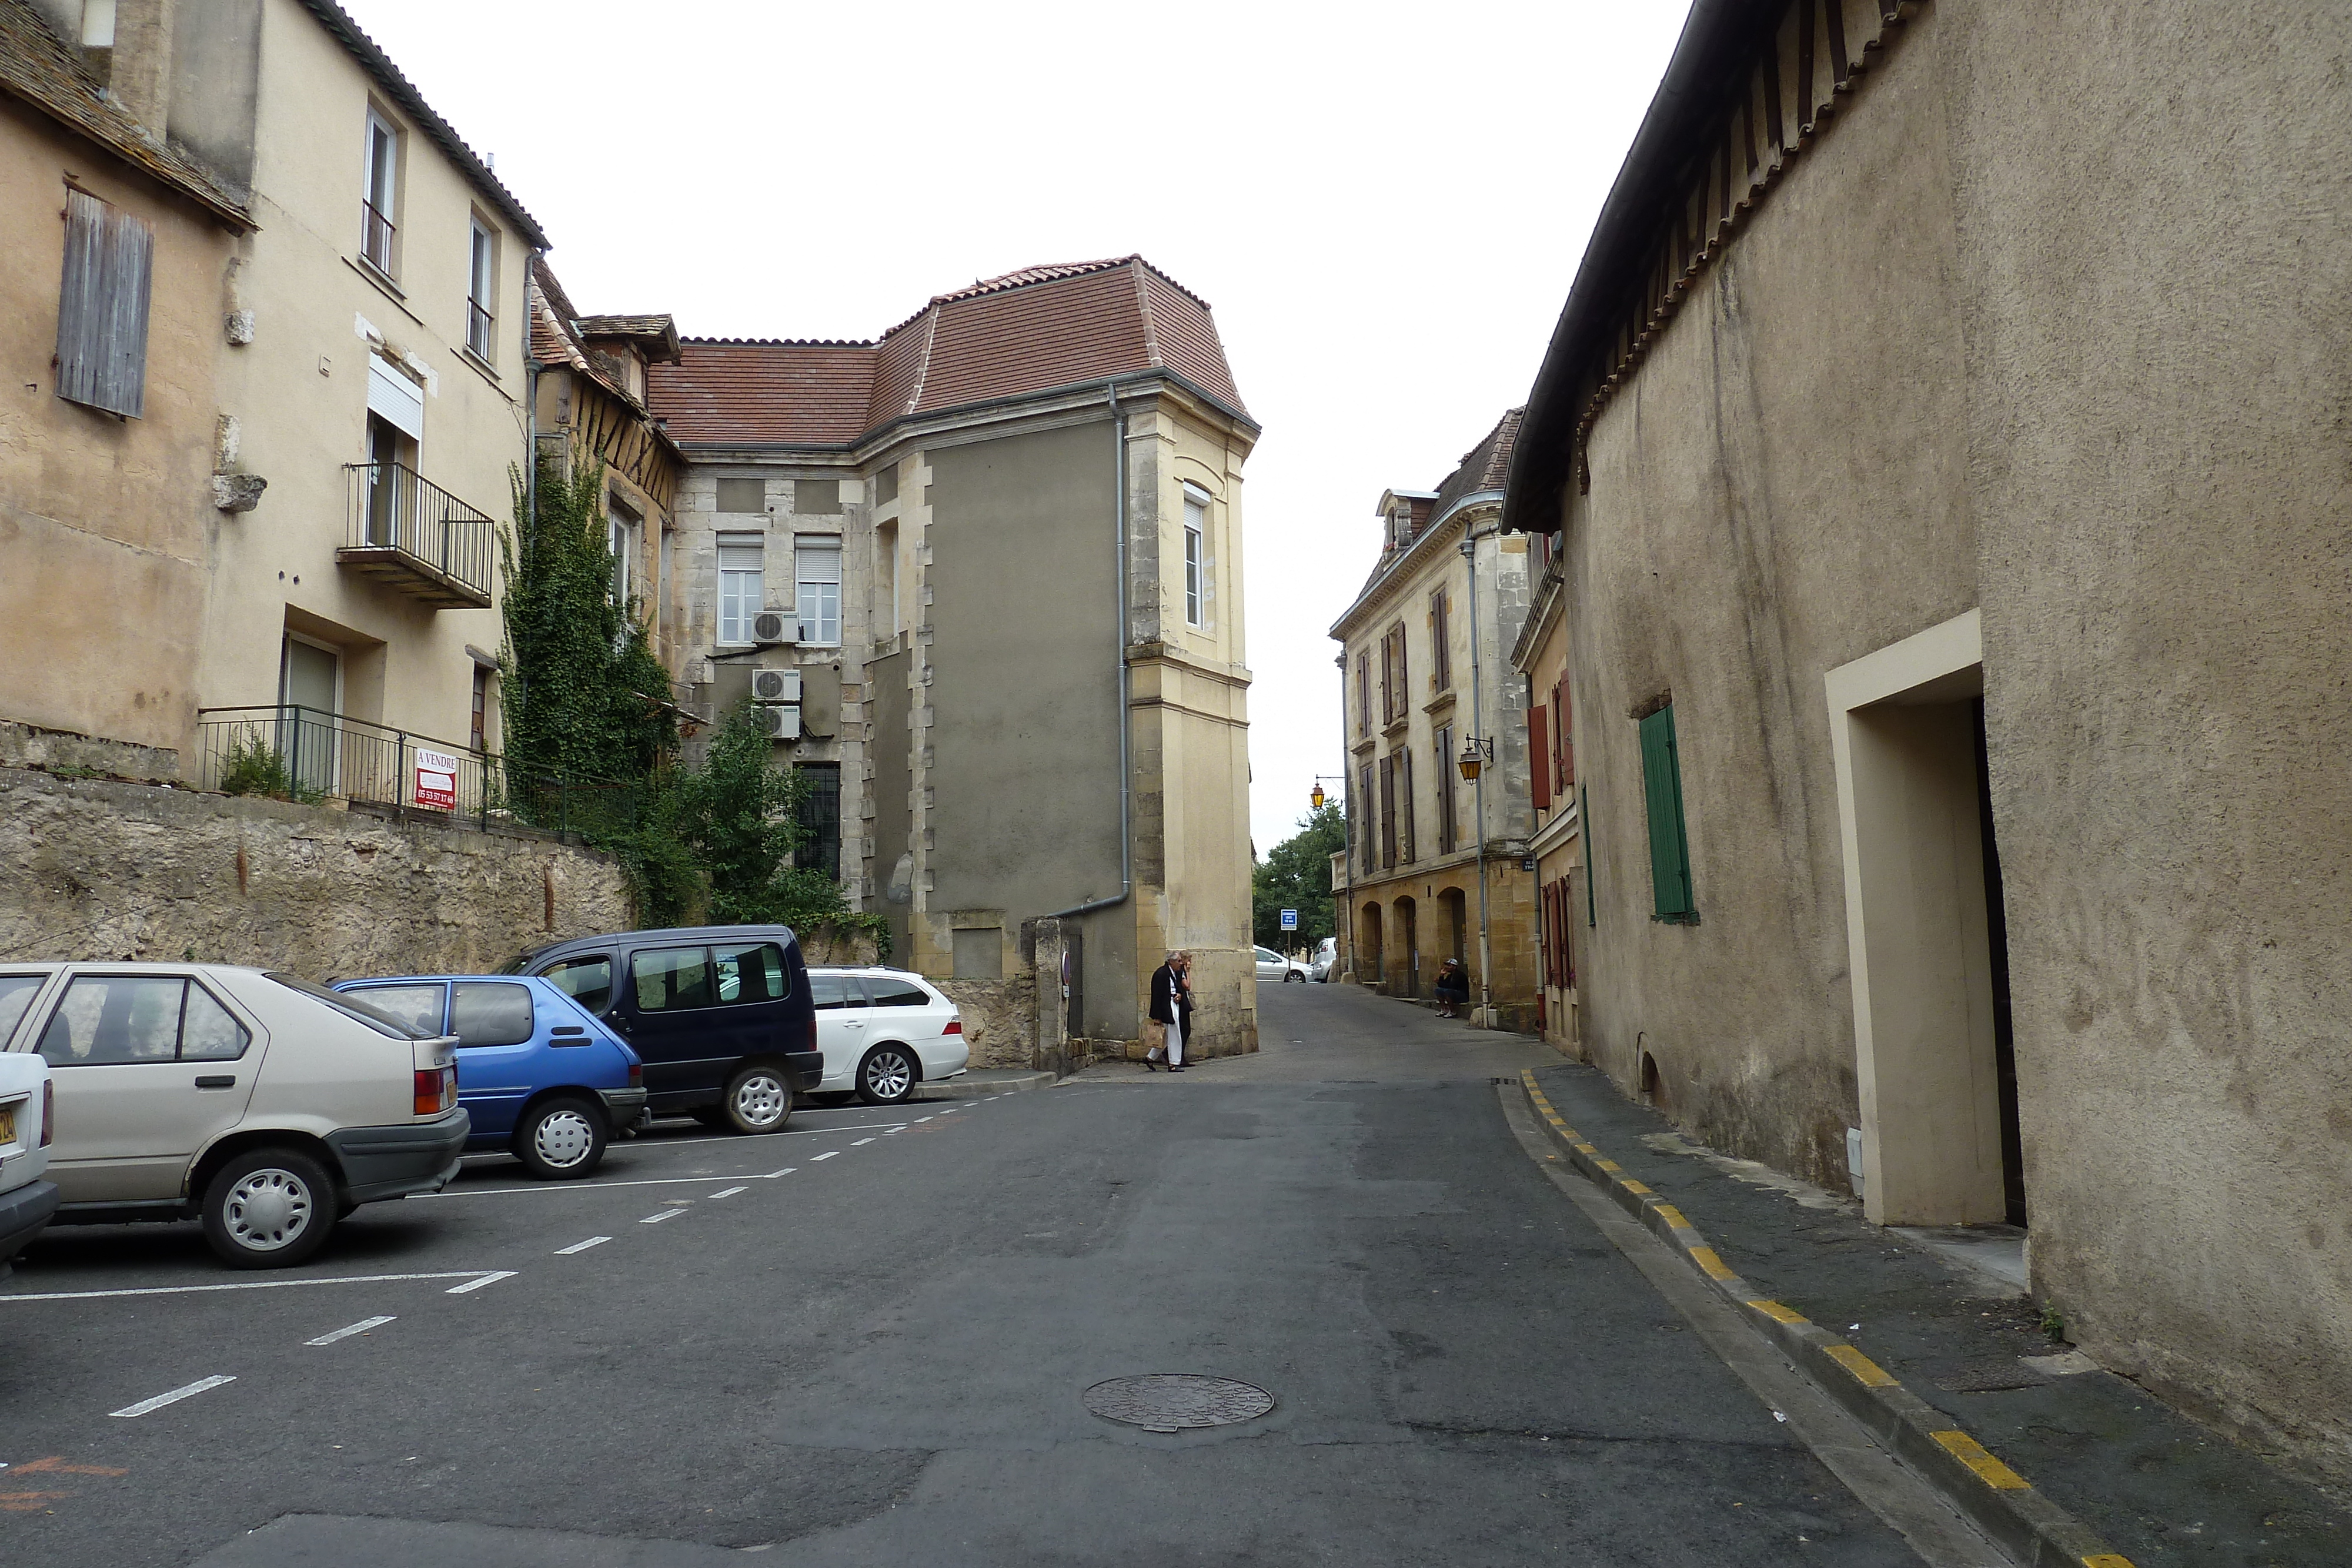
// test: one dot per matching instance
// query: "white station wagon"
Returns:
(883, 1032)
(263, 1104)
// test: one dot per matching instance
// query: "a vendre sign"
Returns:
(436, 780)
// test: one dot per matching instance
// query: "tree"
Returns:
(1297, 876)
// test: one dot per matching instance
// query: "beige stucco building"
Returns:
(1943, 441)
(986, 569)
(1436, 860)
(1562, 902)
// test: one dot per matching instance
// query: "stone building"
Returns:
(1563, 880)
(1943, 438)
(1425, 680)
(109, 320)
(985, 569)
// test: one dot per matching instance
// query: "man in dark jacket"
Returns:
(1168, 1010)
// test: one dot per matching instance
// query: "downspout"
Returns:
(1119, 624)
(1478, 731)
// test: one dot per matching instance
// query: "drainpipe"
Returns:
(1120, 623)
(1478, 733)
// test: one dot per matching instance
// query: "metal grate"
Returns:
(1175, 1401)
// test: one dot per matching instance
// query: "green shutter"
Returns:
(1662, 783)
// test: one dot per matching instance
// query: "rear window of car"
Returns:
(352, 1007)
(587, 980)
(418, 1007)
(890, 993)
(489, 1012)
(749, 972)
(16, 994)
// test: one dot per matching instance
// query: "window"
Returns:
(588, 980)
(481, 708)
(1441, 646)
(1446, 836)
(888, 993)
(352, 1007)
(1563, 746)
(833, 993)
(1396, 693)
(743, 495)
(1388, 812)
(1363, 693)
(482, 290)
(672, 980)
(489, 1012)
(1196, 556)
(622, 526)
(1404, 805)
(749, 972)
(1661, 786)
(820, 819)
(418, 1007)
(1367, 829)
(379, 194)
(102, 299)
(816, 567)
(123, 1020)
(16, 994)
(740, 592)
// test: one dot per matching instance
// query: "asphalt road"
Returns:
(866, 1340)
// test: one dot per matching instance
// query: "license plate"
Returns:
(7, 1124)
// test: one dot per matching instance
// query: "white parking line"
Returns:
(826, 1156)
(785, 1172)
(657, 1218)
(477, 1284)
(173, 1397)
(360, 1327)
(921, 1120)
(730, 1192)
(240, 1285)
(582, 1245)
(570, 1187)
(861, 1143)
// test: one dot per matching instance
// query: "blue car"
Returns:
(539, 1076)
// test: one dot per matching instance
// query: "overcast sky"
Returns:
(1385, 205)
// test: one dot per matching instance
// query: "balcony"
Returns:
(412, 534)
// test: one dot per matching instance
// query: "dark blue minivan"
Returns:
(539, 1075)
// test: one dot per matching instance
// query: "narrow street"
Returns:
(866, 1341)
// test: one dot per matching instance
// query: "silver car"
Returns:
(1273, 965)
(258, 1102)
(26, 1129)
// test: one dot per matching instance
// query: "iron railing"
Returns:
(407, 530)
(375, 237)
(292, 752)
(478, 326)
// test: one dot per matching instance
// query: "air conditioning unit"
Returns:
(776, 686)
(770, 627)
(781, 723)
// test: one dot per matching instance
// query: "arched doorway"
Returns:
(1369, 957)
(1453, 935)
(1406, 981)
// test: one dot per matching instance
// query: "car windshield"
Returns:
(352, 1007)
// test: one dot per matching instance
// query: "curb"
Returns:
(1996, 1499)
(964, 1088)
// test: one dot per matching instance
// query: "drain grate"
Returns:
(1175, 1401)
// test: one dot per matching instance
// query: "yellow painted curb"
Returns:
(1630, 1185)
(1866, 1372)
(1713, 1267)
(1673, 1216)
(1612, 1166)
(1989, 1470)
(1778, 1313)
(2107, 1560)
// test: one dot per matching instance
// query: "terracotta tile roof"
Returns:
(1030, 331)
(36, 66)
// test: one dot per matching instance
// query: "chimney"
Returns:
(129, 43)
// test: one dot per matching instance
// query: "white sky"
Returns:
(1384, 203)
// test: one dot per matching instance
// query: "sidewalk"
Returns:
(2160, 1488)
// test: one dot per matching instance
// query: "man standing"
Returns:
(1168, 1011)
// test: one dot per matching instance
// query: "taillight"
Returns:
(955, 1026)
(48, 1112)
(636, 1075)
(811, 1038)
(436, 1090)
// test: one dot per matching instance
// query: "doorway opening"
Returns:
(310, 703)
(1935, 1059)
(1372, 961)
(1408, 932)
(1454, 927)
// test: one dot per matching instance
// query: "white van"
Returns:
(258, 1102)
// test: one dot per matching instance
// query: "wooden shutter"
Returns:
(103, 306)
(1563, 739)
(1388, 812)
(1404, 799)
(1662, 787)
(1585, 832)
(1539, 749)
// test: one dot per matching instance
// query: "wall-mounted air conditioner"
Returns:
(782, 723)
(770, 627)
(776, 686)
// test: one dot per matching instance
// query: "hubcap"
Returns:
(267, 1210)
(564, 1139)
(888, 1076)
(759, 1101)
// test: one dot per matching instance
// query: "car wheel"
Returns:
(887, 1076)
(271, 1208)
(759, 1099)
(561, 1138)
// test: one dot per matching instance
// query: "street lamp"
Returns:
(1315, 799)
(1477, 753)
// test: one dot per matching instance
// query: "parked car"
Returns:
(1325, 959)
(719, 1014)
(536, 1073)
(1273, 965)
(883, 1032)
(266, 1106)
(28, 1125)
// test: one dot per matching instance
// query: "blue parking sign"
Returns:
(1290, 920)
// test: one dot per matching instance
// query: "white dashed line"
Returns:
(861, 1143)
(730, 1192)
(826, 1156)
(240, 1285)
(173, 1397)
(921, 1120)
(477, 1284)
(569, 1187)
(360, 1327)
(785, 1172)
(657, 1218)
(582, 1245)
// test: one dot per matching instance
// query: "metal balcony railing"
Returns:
(375, 237)
(413, 534)
(290, 752)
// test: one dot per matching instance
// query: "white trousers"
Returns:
(1173, 1052)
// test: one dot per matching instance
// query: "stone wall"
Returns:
(999, 1018)
(99, 869)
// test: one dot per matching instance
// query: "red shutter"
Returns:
(1541, 749)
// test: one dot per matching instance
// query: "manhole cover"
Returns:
(1173, 1401)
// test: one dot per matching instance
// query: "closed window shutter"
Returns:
(1661, 786)
(103, 306)
(1585, 832)
(1539, 775)
(1404, 794)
